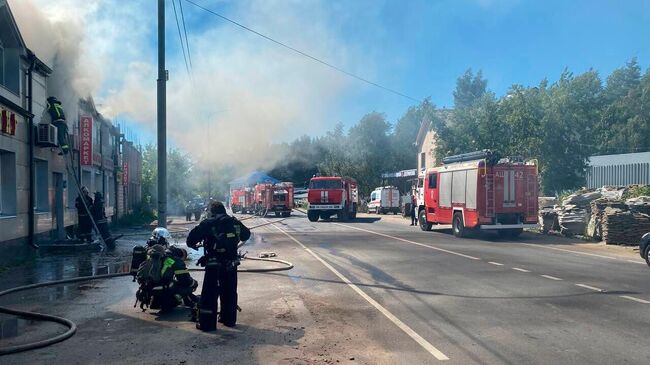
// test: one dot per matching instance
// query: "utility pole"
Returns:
(162, 119)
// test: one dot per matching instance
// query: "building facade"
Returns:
(426, 146)
(39, 184)
(618, 170)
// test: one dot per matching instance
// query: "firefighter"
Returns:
(188, 211)
(220, 234)
(84, 227)
(98, 212)
(55, 110)
(414, 218)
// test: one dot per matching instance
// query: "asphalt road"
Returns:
(376, 291)
(482, 300)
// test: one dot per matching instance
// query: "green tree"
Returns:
(469, 88)
(403, 148)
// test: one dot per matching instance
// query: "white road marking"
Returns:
(414, 335)
(635, 299)
(520, 269)
(636, 262)
(412, 242)
(590, 287)
(578, 252)
(495, 263)
(550, 277)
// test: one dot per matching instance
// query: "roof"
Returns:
(427, 124)
(253, 178)
(9, 28)
(619, 159)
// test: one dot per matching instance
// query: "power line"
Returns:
(187, 42)
(303, 53)
(180, 36)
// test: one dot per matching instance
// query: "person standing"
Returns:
(414, 203)
(84, 224)
(220, 234)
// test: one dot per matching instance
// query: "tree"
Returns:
(469, 88)
(405, 132)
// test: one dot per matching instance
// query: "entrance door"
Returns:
(57, 179)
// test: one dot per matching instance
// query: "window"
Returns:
(433, 180)
(325, 184)
(280, 197)
(9, 69)
(373, 196)
(7, 183)
(423, 160)
(41, 183)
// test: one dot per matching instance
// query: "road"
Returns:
(376, 291)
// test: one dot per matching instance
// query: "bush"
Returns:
(141, 215)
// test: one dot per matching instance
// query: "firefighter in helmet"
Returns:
(55, 110)
(220, 235)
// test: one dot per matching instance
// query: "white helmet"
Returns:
(161, 232)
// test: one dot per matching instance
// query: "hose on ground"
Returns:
(72, 327)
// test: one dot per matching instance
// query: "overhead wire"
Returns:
(187, 42)
(180, 36)
(304, 54)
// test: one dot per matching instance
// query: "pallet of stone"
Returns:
(624, 227)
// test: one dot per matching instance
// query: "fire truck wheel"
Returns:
(422, 219)
(647, 255)
(312, 216)
(277, 214)
(457, 225)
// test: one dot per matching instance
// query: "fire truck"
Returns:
(332, 195)
(276, 198)
(479, 191)
(242, 200)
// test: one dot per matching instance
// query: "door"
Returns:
(431, 196)
(57, 179)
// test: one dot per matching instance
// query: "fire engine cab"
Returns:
(478, 190)
(332, 195)
(242, 200)
(276, 198)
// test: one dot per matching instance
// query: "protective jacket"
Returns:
(220, 235)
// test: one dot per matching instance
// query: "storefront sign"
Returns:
(86, 140)
(8, 122)
(125, 173)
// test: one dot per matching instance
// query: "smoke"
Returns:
(245, 93)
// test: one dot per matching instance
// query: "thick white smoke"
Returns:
(245, 92)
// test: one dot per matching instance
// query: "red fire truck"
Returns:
(276, 198)
(478, 190)
(332, 195)
(242, 200)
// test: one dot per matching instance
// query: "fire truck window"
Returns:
(325, 184)
(433, 181)
(373, 196)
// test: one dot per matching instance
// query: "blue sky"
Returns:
(247, 86)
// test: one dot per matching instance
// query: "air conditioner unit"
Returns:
(46, 136)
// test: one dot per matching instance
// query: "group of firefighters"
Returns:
(165, 281)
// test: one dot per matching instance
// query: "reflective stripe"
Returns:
(231, 235)
(169, 262)
(178, 272)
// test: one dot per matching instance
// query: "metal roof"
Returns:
(620, 159)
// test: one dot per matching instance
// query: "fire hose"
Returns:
(72, 327)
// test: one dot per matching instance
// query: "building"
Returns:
(38, 186)
(130, 193)
(619, 170)
(426, 141)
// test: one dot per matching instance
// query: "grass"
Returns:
(636, 191)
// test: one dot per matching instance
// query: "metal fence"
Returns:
(621, 174)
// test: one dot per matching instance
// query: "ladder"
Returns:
(489, 195)
(531, 186)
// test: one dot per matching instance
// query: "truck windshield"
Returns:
(280, 197)
(325, 184)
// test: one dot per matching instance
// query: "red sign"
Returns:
(125, 173)
(86, 140)
(8, 122)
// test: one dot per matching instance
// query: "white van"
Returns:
(384, 199)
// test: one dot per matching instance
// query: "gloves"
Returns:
(202, 261)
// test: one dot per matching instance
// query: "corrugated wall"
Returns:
(622, 174)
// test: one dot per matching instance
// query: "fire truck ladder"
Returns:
(531, 186)
(489, 195)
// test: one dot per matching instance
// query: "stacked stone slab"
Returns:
(624, 227)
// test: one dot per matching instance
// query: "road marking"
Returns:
(636, 262)
(414, 335)
(412, 242)
(590, 287)
(520, 269)
(495, 263)
(578, 252)
(635, 299)
(550, 277)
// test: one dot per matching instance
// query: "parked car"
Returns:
(644, 248)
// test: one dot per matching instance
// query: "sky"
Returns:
(244, 87)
